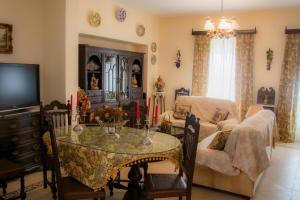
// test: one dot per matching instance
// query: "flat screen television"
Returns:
(19, 86)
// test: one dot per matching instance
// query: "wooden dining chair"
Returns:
(68, 188)
(47, 163)
(173, 185)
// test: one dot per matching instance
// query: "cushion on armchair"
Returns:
(219, 115)
(219, 142)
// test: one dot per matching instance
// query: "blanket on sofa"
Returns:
(246, 146)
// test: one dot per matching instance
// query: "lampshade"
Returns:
(209, 26)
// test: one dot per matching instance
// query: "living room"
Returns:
(170, 40)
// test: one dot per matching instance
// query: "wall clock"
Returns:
(140, 30)
(121, 14)
(153, 59)
(94, 19)
(153, 47)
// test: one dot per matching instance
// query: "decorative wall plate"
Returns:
(153, 59)
(140, 30)
(153, 47)
(94, 19)
(121, 14)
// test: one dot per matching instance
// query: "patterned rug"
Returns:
(35, 183)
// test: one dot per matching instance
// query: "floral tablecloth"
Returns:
(93, 156)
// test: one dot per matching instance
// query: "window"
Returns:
(221, 73)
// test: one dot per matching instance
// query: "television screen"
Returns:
(19, 85)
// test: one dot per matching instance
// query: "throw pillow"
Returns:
(219, 142)
(219, 115)
(181, 111)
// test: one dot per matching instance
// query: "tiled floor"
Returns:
(280, 182)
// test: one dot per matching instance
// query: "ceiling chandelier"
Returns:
(225, 29)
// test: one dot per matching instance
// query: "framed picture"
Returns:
(6, 38)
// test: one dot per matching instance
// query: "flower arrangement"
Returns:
(82, 100)
(109, 114)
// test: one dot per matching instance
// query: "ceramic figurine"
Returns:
(134, 82)
(94, 83)
(160, 85)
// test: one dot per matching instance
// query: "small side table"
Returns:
(161, 100)
(9, 170)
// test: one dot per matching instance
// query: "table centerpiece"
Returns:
(114, 118)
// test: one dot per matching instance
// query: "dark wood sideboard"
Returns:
(20, 138)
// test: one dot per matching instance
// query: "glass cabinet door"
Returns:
(111, 76)
(124, 77)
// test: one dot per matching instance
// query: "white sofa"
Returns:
(234, 169)
(204, 108)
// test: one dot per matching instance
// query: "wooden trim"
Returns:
(249, 31)
(291, 31)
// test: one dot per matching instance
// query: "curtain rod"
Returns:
(291, 31)
(249, 31)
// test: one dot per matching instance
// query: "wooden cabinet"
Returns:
(110, 76)
(20, 138)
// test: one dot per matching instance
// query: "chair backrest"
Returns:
(52, 120)
(54, 106)
(182, 92)
(190, 143)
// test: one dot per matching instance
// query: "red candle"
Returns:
(148, 106)
(71, 103)
(85, 103)
(156, 113)
(138, 113)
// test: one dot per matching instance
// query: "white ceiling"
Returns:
(173, 7)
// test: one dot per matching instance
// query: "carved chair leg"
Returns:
(110, 186)
(22, 182)
(3, 184)
(180, 197)
(45, 174)
(53, 184)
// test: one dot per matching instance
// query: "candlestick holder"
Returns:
(138, 123)
(147, 140)
(77, 127)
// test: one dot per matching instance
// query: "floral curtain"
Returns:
(244, 72)
(200, 68)
(288, 89)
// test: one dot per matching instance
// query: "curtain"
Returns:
(244, 72)
(288, 89)
(200, 67)
(221, 73)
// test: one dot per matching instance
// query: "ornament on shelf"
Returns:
(160, 84)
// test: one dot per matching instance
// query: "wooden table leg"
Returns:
(135, 190)
(22, 182)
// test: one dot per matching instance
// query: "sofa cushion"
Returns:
(220, 115)
(219, 142)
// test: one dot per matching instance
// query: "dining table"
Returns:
(94, 157)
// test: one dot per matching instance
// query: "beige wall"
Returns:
(110, 29)
(28, 35)
(175, 33)
(54, 50)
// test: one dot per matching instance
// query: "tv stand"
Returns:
(20, 138)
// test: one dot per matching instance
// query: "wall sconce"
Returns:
(269, 58)
(178, 61)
